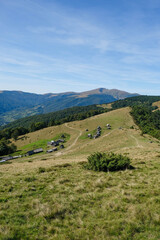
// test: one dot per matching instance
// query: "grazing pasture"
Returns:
(53, 196)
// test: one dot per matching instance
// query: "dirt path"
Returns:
(138, 145)
(108, 134)
(75, 141)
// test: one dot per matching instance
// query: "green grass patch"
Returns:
(7, 162)
(42, 143)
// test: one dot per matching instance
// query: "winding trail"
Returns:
(108, 134)
(138, 145)
(74, 142)
(67, 150)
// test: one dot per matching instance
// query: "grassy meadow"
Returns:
(42, 143)
(53, 196)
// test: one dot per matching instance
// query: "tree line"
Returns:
(142, 112)
(147, 120)
(136, 101)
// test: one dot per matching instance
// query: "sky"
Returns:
(78, 45)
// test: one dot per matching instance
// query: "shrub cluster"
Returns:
(107, 162)
(5, 148)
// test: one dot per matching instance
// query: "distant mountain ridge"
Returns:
(17, 104)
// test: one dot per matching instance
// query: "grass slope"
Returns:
(54, 197)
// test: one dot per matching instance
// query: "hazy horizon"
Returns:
(66, 91)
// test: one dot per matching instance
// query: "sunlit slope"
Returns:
(117, 118)
(123, 137)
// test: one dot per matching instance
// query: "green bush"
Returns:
(41, 170)
(107, 162)
(5, 148)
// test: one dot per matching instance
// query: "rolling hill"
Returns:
(123, 134)
(16, 104)
(52, 196)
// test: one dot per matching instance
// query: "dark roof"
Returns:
(38, 150)
(30, 152)
(7, 158)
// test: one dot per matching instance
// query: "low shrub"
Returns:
(30, 179)
(108, 162)
(41, 170)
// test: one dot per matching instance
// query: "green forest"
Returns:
(136, 101)
(143, 113)
(147, 120)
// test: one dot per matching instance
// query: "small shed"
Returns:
(108, 126)
(95, 136)
(56, 144)
(51, 143)
(60, 141)
(7, 158)
(15, 157)
(29, 153)
(50, 150)
(38, 150)
(1, 161)
(54, 149)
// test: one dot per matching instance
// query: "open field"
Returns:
(54, 197)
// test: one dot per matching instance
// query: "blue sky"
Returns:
(79, 45)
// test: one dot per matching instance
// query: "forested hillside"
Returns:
(136, 101)
(143, 114)
(147, 120)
